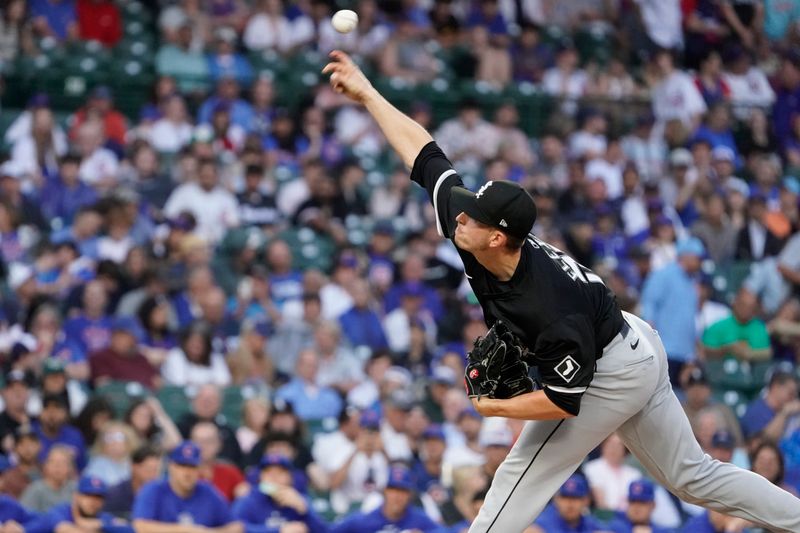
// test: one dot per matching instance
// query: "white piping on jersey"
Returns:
(445, 174)
(573, 390)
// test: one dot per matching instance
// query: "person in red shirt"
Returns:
(99, 20)
(101, 104)
(228, 479)
(122, 360)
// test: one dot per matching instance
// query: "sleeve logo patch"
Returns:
(567, 368)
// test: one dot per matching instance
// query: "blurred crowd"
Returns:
(237, 285)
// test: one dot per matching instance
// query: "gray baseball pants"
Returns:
(630, 394)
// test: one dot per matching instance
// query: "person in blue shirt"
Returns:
(63, 195)
(225, 61)
(395, 514)
(641, 503)
(569, 512)
(91, 330)
(52, 428)
(669, 304)
(310, 400)
(55, 18)
(274, 505)
(769, 413)
(713, 522)
(361, 325)
(83, 513)
(182, 503)
(13, 516)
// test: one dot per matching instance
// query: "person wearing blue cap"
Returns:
(714, 522)
(396, 512)
(83, 513)
(669, 304)
(641, 503)
(427, 468)
(275, 506)
(569, 511)
(182, 502)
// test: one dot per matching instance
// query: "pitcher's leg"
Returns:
(661, 438)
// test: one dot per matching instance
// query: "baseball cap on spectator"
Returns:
(101, 92)
(129, 325)
(641, 490)
(681, 157)
(225, 34)
(399, 478)
(348, 260)
(723, 153)
(723, 439)
(184, 221)
(663, 220)
(14, 376)
(383, 227)
(412, 289)
(691, 246)
(433, 431)
(281, 406)
(791, 184)
(187, 454)
(697, 377)
(39, 100)
(92, 486)
(370, 420)
(574, 487)
(738, 185)
(400, 399)
(25, 431)
(499, 436)
(468, 411)
(274, 459)
(398, 374)
(18, 275)
(501, 204)
(443, 375)
(52, 366)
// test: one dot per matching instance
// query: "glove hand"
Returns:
(476, 382)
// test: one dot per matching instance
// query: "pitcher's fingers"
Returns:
(341, 57)
(330, 67)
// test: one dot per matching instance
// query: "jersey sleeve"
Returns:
(565, 356)
(144, 505)
(433, 171)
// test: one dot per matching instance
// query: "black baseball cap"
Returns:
(500, 204)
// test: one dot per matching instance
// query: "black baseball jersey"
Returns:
(559, 308)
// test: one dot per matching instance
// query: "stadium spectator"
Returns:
(36, 153)
(180, 61)
(715, 230)
(14, 518)
(742, 335)
(469, 482)
(26, 468)
(749, 86)
(722, 446)
(214, 208)
(565, 79)
(145, 467)
(182, 499)
(468, 138)
(670, 294)
(467, 449)
(227, 478)
(275, 505)
(361, 323)
(768, 416)
(205, 406)
(57, 484)
(84, 511)
(698, 400)
(53, 428)
(225, 61)
(54, 18)
(173, 130)
(255, 415)
(496, 443)
(122, 360)
(608, 475)
(713, 522)
(396, 511)
(568, 512)
(310, 399)
(99, 20)
(110, 459)
(268, 28)
(639, 512)
(194, 361)
(767, 460)
(251, 363)
(427, 468)
(152, 424)
(15, 396)
(710, 82)
(675, 96)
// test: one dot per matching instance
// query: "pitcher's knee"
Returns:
(693, 483)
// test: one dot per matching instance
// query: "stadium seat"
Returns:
(232, 401)
(174, 401)
(121, 394)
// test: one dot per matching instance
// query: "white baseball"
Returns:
(344, 20)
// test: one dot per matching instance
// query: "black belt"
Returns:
(625, 329)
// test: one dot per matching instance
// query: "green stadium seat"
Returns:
(730, 374)
(729, 279)
(121, 394)
(174, 401)
(232, 401)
